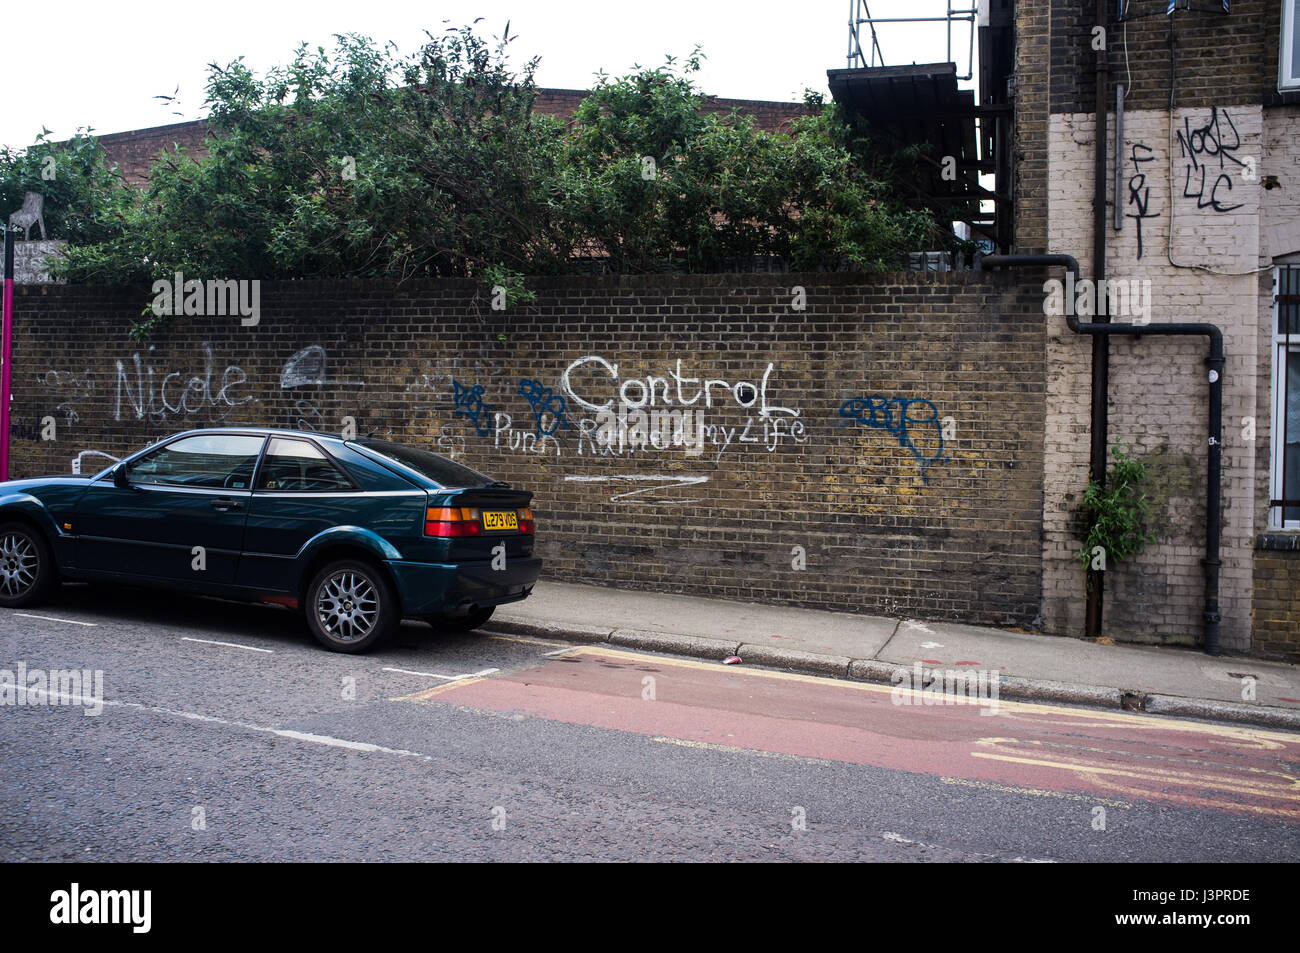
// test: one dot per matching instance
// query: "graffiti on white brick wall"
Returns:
(1139, 193)
(1210, 160)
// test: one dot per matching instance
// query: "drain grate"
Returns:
(1133, 701)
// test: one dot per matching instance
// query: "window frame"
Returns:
(352, 487)
(1286, 82)
(143, 456)
(1283, 345)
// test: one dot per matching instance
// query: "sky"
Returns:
(75, 64)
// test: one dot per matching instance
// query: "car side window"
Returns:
(222, 461)
(297, 466)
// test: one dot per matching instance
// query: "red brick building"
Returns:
(136, 149)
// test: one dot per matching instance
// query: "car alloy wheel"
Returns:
(28, 575)
(351, 606)
(347, 606)
(19, 563)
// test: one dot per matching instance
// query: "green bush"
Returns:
(362, 163)
(1117, 513)
(86, 202)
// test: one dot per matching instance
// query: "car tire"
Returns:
(28, 574)
(351, 607)
(461, 623)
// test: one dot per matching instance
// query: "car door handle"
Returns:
(224, 505)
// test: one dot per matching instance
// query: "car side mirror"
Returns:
(119, 476)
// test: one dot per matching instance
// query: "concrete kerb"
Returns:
(873, 670)
(1285, 718)
(570, 632)
(693, 645)
(834, 665)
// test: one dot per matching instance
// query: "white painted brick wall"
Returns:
(1159, 396)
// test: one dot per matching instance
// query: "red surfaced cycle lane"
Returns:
(1040, 747)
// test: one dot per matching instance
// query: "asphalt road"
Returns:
(226, 734)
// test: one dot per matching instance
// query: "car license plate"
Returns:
(500, 521)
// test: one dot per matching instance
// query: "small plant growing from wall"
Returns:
(1117, 514)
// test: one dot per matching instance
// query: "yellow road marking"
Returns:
(1199, 781)
(437, 689)
(525, 641)
(1104, 776)
(1260, 739)
(1212, 803)
(1221, 773)
(1146, 756)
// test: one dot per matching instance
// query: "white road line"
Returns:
(407, 671)
(567, 648)
(449, 678)
(327, 740)
(50, 618)
(229, 645)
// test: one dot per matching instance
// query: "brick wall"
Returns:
(136, 151)
(1207, 252)
(883, 530)
(1220, 58)
(1277, 595)
(1029, 128)
(1158, 392)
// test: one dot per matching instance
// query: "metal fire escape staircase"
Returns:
(923, 105)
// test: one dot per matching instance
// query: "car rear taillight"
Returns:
(526, 523)
(452, 521)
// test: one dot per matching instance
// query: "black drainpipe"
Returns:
(1215, 361)
(1100, 342)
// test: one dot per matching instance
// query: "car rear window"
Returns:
(439, 469)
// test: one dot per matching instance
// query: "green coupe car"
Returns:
(357, 533)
